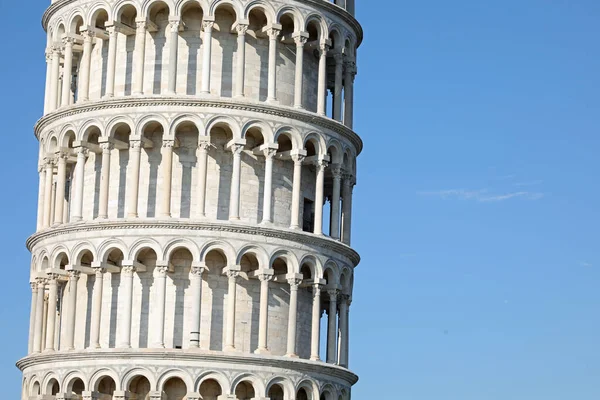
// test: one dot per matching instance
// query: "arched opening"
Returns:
(210, 390)
(93, 168)
(247, 326)
(141, 296)
(99, 63)
(276, 392)
(253, 177)
(221, 160)
(35, 389)
(189, 48)
(61, 261)
(106, 388)
(244, 391)
(186, 144)
(140, 388)
(223, 52)
(159, 16)
(121, 134)
(216, 289)
(178, 281)
(257, 45)
(302, 394)
(152, 136)
(175, 389)
(311, 63)
(52, 388)
(76, 388)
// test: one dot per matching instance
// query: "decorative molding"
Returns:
(242, 360)
(125, 224)
(189, 101)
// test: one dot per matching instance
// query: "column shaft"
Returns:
(322, 83)
(39, 316)
(296, 191)
(173, 44)
(126, 294)
(160, 279)
(202, 165)
(343, 356)
(96, 309)
(335, 204)
(316, 323)
(347, 209)
(166, 167)
(79, 184)
(48, 79)
(337, 91)
(320, 182)
(292, 318)
(113, 35)
(272, 78)
(196, 286)
(71, 310)
(298, 81)
(234, 199)
(241, 60)
(61, 179)
(104, 180)
(41, 187)
(83, 92)
(67, 72)
(54, 75)
(51, 323)
(32, 317)
(268, 190)
(135, 154)
(349, 94)
(332, 327)
(206, 56)
(48, 192)
(139, 57)
(230, 332)
(264, 313)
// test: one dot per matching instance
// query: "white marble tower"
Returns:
(196, 162)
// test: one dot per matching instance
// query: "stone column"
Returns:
(241, 59)
(51, 322)
(34, 291)
(316, 323)
(234, 199)
(273, 33)
(344, 314)
(87, 395)
(107, 147)
(347, 208)
(335, 203)
(322, 84)
(41, 187)
(48, 54)
(160, 280)
(230, 332)
(71, 310)
(332, 327)
(96, 308)
(166, 167)
(139, 56)
(337, 91)
(269, 153)
(39, 315)
(294, 282)
(83, 93)
(61, 181)
(320, 182)
(173, 44)
(120, 395)
(48, 191)
(296, 190)
(111, 63)
(125, 300)
(135, 154)
(195, 312)
(82, 153)
(54, 75)
(206, 55)
(67, 72)
(349, 94)
(300, 38)
(202, 156)
(265, 278)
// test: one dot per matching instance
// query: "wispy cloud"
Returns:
(529, 183)
(482, 195)
(585, 264)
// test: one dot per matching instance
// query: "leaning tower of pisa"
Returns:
(196, 168)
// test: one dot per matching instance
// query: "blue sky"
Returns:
(476, 209)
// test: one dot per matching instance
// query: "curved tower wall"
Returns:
(197, 162)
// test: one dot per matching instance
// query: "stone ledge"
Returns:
(340, 12)
(192, 101)
(241, 359)
(295, 236)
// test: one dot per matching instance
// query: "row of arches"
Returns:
(177, 384)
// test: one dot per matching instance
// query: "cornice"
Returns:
(295, 236)
(330, 7)
(237, 359)
(188, 101)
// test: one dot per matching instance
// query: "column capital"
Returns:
(204, 145)
(161, 271)
(41, 282)
(207, 25)
(317, 289)
(107, 145)
(324, 46)
(135, 144)
(141, 24)
(236, 147)
(265, 275)
(74, 275)
(350, 66)
(300, 38)
(337, 171)
(52, 278)
(272, 32)
(99, 271)
(197, 270)
(298, 156)
(88, 35)
(294, 280)
(241, 29)
(112, 30)
(339, 59)
(232, 274)
(321, 164)
(333, 293)
(67, 41)
(168, 143)
(128, 270)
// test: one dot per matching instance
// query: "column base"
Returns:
(273, 101)
(293, 355)
(132, 215)
(263, 351)
(298, 106)
(234, 218)
(315, 358)
(229, 348)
